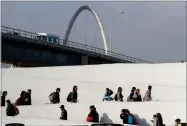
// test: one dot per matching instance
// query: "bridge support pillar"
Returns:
(84, 60)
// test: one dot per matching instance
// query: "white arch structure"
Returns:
(70, 25)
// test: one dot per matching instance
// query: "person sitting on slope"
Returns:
(127, 117)
(63, 113)
(138, 98)
(132, 95)
(119, 96)
(21, 99)
(11, 110)
(3, 98)
(28, 100)
(107, 95)
(55, 97)
(159, 120)
(177, 122)
(148, 91)
(93, 116)
(147, 97)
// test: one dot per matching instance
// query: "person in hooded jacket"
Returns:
(138, 98)
(124, 116)
(28, 97)
(74, 94)
(3, 98)
(10, 111)
(21, 99)
(119, 96)
(107, 95)
(93, 116)
(63, 113)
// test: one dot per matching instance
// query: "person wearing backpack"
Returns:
(93, 116)
(127, 117)
(11, 109)
(124, 116)
(73, 96)
(55, 97)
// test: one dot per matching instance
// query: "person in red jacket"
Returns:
(93, 116)
(21, 99)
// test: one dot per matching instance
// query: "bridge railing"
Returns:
(79, 46)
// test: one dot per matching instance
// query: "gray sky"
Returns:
(153, 31)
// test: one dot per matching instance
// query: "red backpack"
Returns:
(89, 119)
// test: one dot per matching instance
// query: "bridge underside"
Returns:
(22, 52)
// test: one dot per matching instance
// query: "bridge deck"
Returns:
(68, 45)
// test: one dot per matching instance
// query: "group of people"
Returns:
(24, 99)
(93, 116)
(54, 97)
(134, 95)
(157, 120)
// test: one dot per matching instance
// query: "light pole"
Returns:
(111, 37)
(113, 18)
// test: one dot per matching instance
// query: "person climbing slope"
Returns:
(55, 97)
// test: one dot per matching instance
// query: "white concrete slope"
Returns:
(168, 82)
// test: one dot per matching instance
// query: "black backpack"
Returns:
(51, 97)
(69, 97)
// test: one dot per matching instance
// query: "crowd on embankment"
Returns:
(93, 116)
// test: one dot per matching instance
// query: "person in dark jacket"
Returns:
(28, 97)
(124, 116)
(107, 95)
(21, 99)
(63, 113)
(74, 94)
(159, 120)
(93, 116)
(133, 94)
(10, 111)
(138, 98)
(3, 98)
(56, 96)
(119, 96)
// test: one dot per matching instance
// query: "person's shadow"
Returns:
(105, 119)
(140, 121)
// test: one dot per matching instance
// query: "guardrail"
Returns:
(33, 36)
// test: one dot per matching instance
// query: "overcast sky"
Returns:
(153, 31)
